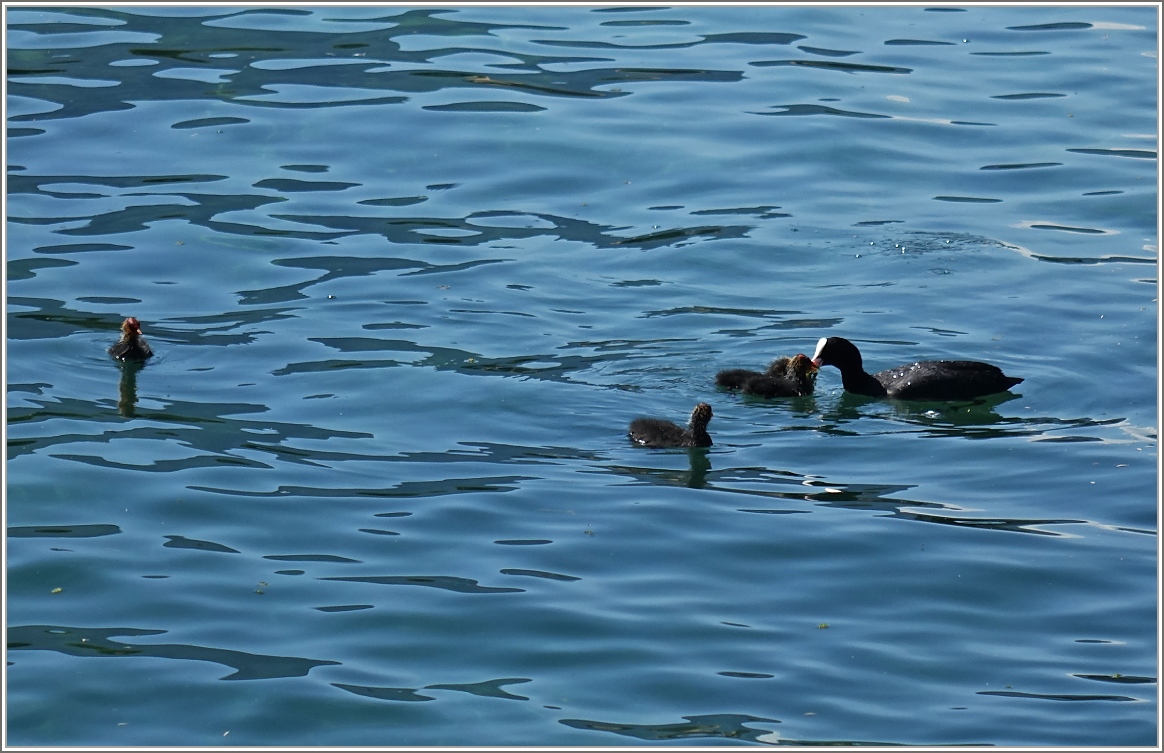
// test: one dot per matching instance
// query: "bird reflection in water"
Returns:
(694, 476)
(127, 388)
(700, 465)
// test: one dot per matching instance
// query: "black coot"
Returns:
(132, 346)
(655, 432)
(785, 377)
(924, 380)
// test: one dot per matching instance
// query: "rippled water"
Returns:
(410, 272)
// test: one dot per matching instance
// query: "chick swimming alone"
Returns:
(132, 346)
(656, 432)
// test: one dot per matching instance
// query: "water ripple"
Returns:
(96, 642)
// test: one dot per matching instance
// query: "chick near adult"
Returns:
(786, 377)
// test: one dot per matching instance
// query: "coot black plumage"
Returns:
(655, 432)
(132, 346)
(924, 380)
(785, 377)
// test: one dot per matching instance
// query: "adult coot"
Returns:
(924, 380)
(785, 377)
(655, 432)
(132, 346)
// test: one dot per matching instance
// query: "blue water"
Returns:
(410, 273)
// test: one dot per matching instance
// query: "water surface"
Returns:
(410, 272)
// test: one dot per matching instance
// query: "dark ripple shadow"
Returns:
(1028, 95)
(797, 488)
(721, 480)
(443, 582)
(95, 642)
(490, 106)
(1134, 153)
(52, 319)
(1026, 53)
(339, 267)
(20, 183)
(830, 65)
(410, 230)
(25, 269)
(486, 689)
(1013, 525)
(1069, 228)
(762, 212)
(493, 452)
(538, 574)
(63, 532)
(819, 110)
(870, 497)
(826, 52)
(559, 367)
(713, 726)
(214, 327)
(202, 209)
(1021, 166)
(968, 199)
(209, 122)
(727, 311)
(199, 209)
(403, 490)
(1057, 26)
(310, 558)
(585, 83)
(754, 37)
(384, 694)
(1059, 696)
(701, 726)
(293, 185)
(1118, 678)
(344, 608)
(486, 453)
(969, 419)
(917, 43)
(389, 76)
(204, 427)
(181, 542)
(1094, 259)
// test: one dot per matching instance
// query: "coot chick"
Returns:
(785, 377)
(655, 432)
(924, 380)
(132, 346)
